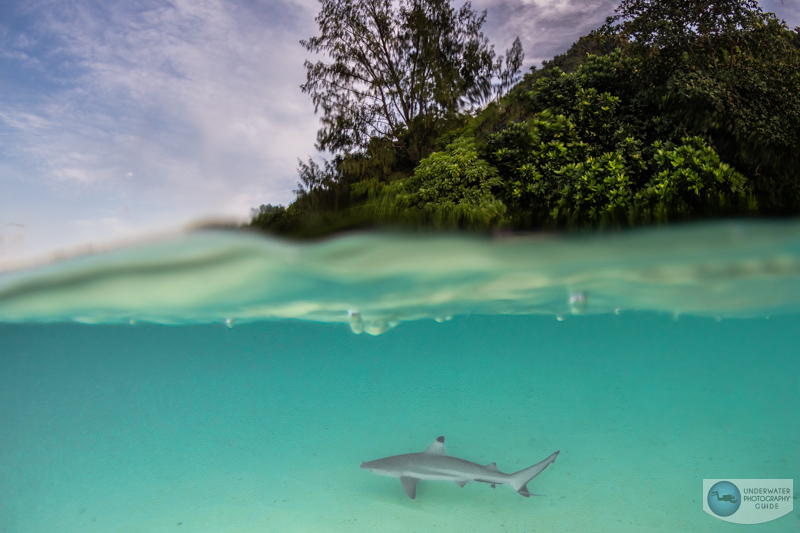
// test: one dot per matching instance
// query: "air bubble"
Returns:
(376, 328)
(356, 322)
(578, 302)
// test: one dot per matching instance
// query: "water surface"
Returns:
(215, 383)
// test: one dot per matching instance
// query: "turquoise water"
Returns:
(217, 382)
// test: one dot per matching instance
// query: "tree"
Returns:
(510, 75)
(398, 70)
(727, 71)
(692, 26)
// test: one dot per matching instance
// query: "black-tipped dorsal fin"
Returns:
(409, 485)
(436, 447)
(492, 467)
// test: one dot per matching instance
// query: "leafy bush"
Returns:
(690, 180)
(454, 188)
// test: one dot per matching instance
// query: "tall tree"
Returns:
(398, 70)
(729, 72)
(670, 28)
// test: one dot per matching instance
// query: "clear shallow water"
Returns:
(652, 381)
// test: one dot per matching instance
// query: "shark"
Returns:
(435, 465)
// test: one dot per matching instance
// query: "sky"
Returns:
(120, 118)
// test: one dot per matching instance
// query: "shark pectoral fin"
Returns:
(461, 483)
(409, 485)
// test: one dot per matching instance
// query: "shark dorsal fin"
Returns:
(436, 447)
(492, 467)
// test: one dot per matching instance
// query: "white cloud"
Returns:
(545, 27)
(192, 100)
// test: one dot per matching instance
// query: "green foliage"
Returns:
(668, 32)
(594, 114)
(454, 188)
(579, 162)
(690, 179)
(725, 71)
(749, 106)
(694, 113)
(556, 178)
(275, 219)
(398, 69)
(595, 192)
(576, 161)
(528, 155)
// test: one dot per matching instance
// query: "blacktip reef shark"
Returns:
(435, 465)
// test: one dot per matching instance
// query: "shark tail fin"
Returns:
(520, 479)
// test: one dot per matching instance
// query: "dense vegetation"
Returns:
(672, 110)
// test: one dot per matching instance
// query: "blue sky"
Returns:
(122, 117)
